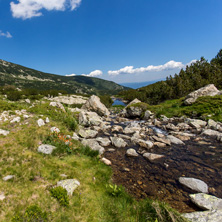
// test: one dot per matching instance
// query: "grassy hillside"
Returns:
(23, 77)
(192, 78)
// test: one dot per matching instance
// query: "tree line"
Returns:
(191, 78)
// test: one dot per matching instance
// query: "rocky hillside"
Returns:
(23, 77)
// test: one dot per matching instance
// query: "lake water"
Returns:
(118, 102)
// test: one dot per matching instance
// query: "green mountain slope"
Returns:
(23, 77)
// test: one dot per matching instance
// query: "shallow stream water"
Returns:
(200, 158)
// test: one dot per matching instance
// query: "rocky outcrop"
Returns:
(209, 90)
(94, 104)
(58, 105)
(70, 100)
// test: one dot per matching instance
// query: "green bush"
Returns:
(32, 213)
(106, 100)
(14, 95)
(87, 151)
(114, 190)
(61, 195)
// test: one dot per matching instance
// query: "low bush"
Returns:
(61, 195)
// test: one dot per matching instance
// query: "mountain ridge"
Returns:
(24, 77)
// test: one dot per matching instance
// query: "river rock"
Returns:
(89, 119)
(206, 202)
(175, 140)
(4, 132)
(145, 144)
(46, 149)
(205, 216)
(117, 129)
(194, 184)
(162, 140)
(94, 145)
(88, 133)
(212, 133)
(106, 161)
(183, 126)
(152, 156)
(94, 104)
(118, 142)
(211, 124)
(171, 126)
(69, 185)
(197, 123)
(103, 141)
(131, 152)
(209, 90)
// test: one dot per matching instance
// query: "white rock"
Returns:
(8, 177)
(103, 141)
(46, 149)
(175, 140)
(94, 145)
(70, 185)
(106, 161)
(16, 120)
(47, 120)
(55, 130)
(4, 132)
(40, 122)
(118, 142)
(2, 196)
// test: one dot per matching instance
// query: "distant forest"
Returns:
(195, 76)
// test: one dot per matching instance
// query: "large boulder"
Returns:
(70, 100)
(94, 104)
(118, 142)
(89, 119)
(93, 144)
(209, 90)
(46, 149)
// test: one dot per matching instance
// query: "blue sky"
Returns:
(118, 40)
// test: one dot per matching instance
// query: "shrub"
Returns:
(61, 195)
(32, 213)
(85, 150)
(14, 95)
(106, 100)
(114, 190)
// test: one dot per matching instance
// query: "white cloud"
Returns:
(32, 8)
(167, 66)
(6, 34)
(69, 75)
(94, 73)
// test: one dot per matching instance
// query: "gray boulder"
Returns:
(118, 142)
(103, 141)
(194, 184)
(206, 202)
(209, 90)
(205, 216)
(40, 122)
(175, 140)
(89, 119)
(46, 149)
(58, 105)
(94, 104)
(94, 145)
(87, 133)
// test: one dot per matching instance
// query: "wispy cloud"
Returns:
(6, 34)
(69, 75)
(131, 70)
(32, 8)
(94, 73)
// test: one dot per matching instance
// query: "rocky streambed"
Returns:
(154, 156)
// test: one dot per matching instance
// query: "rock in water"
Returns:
(70, 185)
(106, 161)
(132, 152)
(151, 156)
(209, 90)
(194, 184)
(118, 142)
(46, 149)
(94, 104)
(206, 202)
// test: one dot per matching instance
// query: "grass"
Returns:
(205, 107)
(97, 199)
